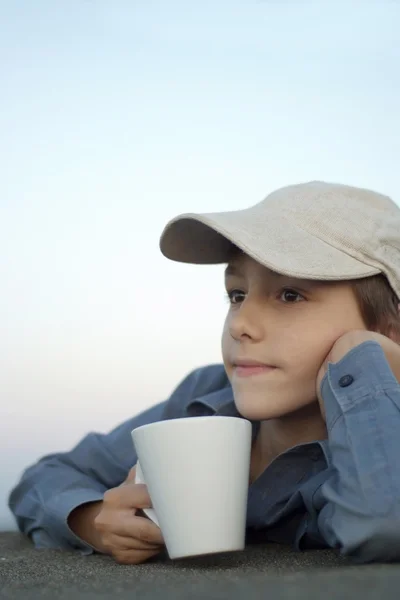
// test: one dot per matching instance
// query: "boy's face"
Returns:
(287, 323)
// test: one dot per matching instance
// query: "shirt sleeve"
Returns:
(360, 500)
(58, 483)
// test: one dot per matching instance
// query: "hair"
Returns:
(378, 304)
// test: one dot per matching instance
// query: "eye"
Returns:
(290, 296)
(235, 296)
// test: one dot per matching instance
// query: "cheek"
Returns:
(303, 353)
(225, 341)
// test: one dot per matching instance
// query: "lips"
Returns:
(247, 367)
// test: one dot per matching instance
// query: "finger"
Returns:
(134, 557)
(139, 528)
(125, 524)
(128, 495)
(115, 542)
(131, 475)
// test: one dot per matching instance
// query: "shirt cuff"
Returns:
(366, 371)
(59, 507)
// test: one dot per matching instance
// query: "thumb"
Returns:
(131, 475)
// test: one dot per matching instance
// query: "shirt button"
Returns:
(346, 380)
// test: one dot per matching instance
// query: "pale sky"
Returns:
(116, 116)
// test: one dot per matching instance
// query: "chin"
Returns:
(258, 409)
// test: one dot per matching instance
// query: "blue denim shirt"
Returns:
(343, 492)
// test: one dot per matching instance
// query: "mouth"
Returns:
(249, 368)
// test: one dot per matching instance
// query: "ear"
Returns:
(394, 332)
(395, 337)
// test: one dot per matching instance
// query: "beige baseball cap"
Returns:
(315, 230)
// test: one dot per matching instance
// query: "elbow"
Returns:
(24, 504)
(14, 504)
(371, 540)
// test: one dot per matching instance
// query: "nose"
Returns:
(246, 321)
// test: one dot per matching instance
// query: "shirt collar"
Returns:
(220, 404)
(212, 403)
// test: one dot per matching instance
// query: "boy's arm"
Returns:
(359, 504)
(51, 489)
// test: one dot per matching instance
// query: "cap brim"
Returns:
(278, 245)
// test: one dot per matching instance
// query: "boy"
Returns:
(310, 357)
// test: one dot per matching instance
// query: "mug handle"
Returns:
(149, 512)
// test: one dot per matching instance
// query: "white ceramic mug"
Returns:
(197, 473)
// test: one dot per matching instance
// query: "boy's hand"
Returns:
(112, 525)
(129, 538)
(350, 340)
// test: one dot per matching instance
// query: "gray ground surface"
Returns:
(264, 571)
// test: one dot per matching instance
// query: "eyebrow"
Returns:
(232, 270)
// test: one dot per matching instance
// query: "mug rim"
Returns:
(165, 422)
